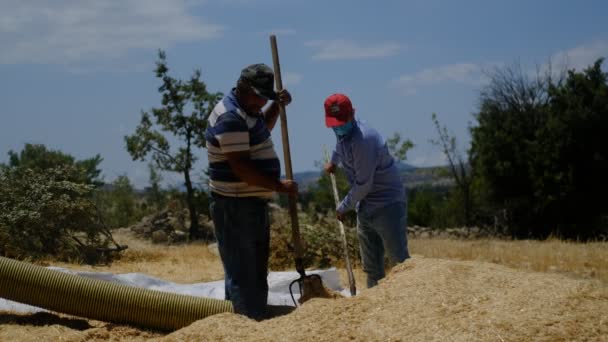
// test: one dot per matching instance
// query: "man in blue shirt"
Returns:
(377, 193)
(244, 173)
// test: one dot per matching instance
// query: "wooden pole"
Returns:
(349, 268)
(293, 209)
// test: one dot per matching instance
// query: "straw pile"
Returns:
(423, 299)
(432, 299)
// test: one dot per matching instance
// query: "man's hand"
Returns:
(329, 168)
(284, 97)
(340, 216)
(288, 187)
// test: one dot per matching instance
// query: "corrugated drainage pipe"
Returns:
(102, 300)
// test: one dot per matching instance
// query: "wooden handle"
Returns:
(349, 268)
(282, 112)
(293, 208)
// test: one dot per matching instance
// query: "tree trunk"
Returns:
(194, 228)
(467, 204)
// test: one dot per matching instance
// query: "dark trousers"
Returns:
(383, 230)
(242, 229)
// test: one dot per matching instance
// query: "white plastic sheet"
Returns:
(278, 283)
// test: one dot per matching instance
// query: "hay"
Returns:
(312, 287)
(432, 299)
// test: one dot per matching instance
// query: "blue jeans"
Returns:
(242, 230)
(383, 229)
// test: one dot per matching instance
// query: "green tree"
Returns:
(124, 204)
(399, 147)
(569, 172)
(538, 147)
(182, 117)
(46, 208)
(512, 108)
(155, 194)
(422, 205)
(37, 157)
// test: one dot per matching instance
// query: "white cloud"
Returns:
(77, 31)
(345, 49)
(291, 78)
(465, 73)
(582, 56)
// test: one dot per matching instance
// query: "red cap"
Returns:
(338, 110)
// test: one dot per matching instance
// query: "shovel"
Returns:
(309, 285)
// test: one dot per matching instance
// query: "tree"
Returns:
(118, 203)
(399, 147)
(155, 195)
(512, 108)
(569, 178)
(37, 157)
(539, 148)
(123, 202)
(422, 206)
(46, 208)
(183, 117)
(460, 170)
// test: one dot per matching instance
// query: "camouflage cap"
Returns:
(261, 78)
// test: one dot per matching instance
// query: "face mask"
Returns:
(343, 130)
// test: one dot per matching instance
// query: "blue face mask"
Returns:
(343, 130)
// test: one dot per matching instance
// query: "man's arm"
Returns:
(365, 156)
(271, 113)
(243, 167)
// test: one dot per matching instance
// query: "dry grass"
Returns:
(191, 263)
(581, 260)
(584, 260)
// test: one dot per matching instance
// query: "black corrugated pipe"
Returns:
(102, 300)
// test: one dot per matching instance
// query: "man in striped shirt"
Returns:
(244, 172)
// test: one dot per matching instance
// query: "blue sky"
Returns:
(76, 74)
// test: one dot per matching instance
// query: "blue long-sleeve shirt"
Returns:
(371, 170)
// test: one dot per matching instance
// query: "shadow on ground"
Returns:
(43, 319)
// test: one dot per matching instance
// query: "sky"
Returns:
(75, 75)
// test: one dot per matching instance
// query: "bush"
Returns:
(323, 243)
(118, 203)
(45, 215)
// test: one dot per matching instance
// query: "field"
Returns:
(450, 290)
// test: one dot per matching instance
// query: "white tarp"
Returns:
(278, 283)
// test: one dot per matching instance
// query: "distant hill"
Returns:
(434, 176)
(405, 166)
(306, 178)
(413, 177)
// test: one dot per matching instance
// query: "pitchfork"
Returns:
(313, 280)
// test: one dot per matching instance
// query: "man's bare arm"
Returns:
(271, 114)
(243, 167)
